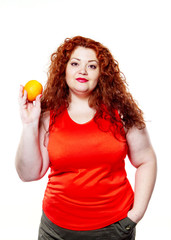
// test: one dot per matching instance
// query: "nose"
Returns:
(83, 70)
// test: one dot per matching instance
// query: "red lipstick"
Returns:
(82, 80)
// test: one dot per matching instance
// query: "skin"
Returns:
(83, 63)
(32, 160)
(143, 158)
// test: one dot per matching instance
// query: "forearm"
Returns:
(144, 184)
(28, 157)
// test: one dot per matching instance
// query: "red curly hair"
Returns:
(110, 94)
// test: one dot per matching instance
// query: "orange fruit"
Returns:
(33, 88)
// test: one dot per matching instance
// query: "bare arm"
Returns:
(32, 160)
(142, 156)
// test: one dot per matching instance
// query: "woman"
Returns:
(82, 127)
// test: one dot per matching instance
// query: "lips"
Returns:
(82, 80)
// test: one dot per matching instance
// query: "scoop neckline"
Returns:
(79, 124)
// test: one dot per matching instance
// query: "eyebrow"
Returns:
(88, 60)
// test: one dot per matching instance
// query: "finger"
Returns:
(23, 98)
(25, 95)
(29, 105)
(21, 91)
(37, 101)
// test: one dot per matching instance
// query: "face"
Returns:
(82, 71)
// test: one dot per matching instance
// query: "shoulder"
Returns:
(138, 138)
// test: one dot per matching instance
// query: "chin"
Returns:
(81, 92)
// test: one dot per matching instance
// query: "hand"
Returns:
(134, 216)
(29, 111)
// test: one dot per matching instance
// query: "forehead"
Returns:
(84, 53)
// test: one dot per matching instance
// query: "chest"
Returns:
(76, 146)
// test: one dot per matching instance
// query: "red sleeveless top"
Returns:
(88, 186)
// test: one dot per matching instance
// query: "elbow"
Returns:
(30, 172)
(146, 159)
(153, 161)
(26, 176)
(24, 179)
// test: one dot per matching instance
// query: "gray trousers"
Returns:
(121, 230)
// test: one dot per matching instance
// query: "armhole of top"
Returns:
(124, 128)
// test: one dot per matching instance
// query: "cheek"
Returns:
(68, 74)
(95, 82)
(96, 78)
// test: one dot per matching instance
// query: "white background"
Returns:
(138, 35)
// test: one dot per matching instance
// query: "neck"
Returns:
(82, 102)
(79, 109)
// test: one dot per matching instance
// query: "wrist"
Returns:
(33, 124)
(30, 129)
(134, 216)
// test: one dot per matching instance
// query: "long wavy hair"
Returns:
(110, 94)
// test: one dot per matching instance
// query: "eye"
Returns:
(92, 66)
(74, 64)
